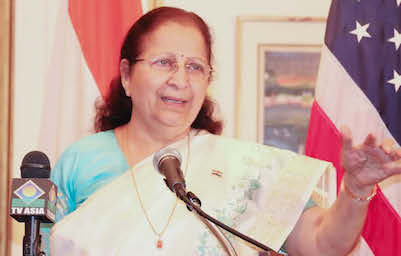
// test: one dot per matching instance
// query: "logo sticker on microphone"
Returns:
(29, 192)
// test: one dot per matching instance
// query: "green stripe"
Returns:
(21, 203)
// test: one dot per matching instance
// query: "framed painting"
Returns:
(286, 84)
(277, 67)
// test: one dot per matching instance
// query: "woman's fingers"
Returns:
(370, 141)
(393, 167)
(388, 145)
(397, 152)
(346, 137)
(384, 160)
(391, 149)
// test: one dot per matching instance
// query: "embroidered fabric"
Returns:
(261, 192)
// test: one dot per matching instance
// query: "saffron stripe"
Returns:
(100, 27)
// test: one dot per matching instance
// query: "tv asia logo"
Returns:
(28, 202)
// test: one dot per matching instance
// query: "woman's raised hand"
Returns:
(367, 164)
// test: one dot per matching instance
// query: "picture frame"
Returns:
(152, 4)
(288, 48)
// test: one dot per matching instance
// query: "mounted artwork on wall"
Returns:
(277, 68)
(285, 93)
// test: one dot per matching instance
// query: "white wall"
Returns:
(36, 18)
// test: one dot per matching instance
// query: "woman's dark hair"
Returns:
(117, 106)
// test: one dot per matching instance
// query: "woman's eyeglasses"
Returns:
(196, 69)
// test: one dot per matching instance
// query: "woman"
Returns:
(160, 101)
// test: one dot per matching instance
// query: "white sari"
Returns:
(261, 192)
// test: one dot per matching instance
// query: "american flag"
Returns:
(359, 86)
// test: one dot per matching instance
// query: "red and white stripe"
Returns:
(339, 102)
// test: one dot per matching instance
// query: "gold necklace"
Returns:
(159, 243)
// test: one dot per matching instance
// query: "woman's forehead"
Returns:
(172, 37)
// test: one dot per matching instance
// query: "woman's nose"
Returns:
(179, 77)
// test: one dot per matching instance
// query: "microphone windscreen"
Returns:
(35, 164)
(165, 152)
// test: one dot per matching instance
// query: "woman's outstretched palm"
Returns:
(369, 163)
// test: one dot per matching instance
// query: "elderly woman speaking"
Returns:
(113, 202)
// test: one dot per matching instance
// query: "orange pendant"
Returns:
(159, 244)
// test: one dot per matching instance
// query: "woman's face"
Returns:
(162, 94)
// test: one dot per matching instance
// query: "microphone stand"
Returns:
(32, 238)
(194, 203)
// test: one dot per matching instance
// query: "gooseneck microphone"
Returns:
(33, 199)
(168, 161)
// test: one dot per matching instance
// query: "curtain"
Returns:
(5, 121)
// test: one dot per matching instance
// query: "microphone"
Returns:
(35, 164)
(33, 199)
(168, 161)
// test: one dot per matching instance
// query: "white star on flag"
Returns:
(396, 81)
(360, 31)
(398, 2)
(396, 39)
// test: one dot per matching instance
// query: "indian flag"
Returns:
(84, 59)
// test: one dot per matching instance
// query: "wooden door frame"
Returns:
(6, 93)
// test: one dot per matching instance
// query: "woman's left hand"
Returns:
(369, 163)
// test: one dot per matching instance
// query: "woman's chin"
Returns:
(179, 124)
